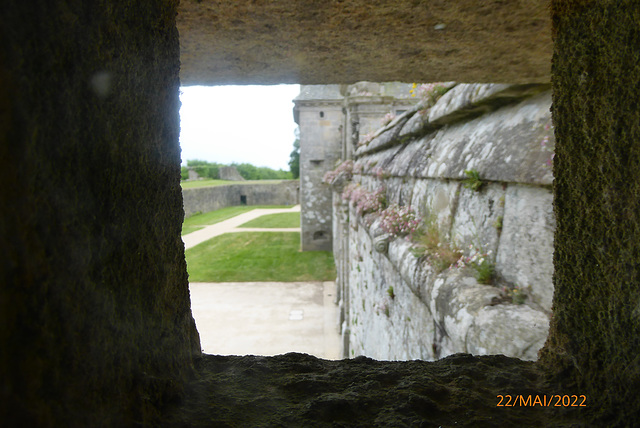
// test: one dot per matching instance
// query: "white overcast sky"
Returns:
(224, 124)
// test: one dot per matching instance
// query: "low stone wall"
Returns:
(399, 306)
(207, 199)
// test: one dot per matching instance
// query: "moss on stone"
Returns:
(594, 345)
(300, 390)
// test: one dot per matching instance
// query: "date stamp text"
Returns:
(541, 400)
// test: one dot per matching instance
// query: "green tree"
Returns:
(249, 172)
(294, 159)
(204, 169)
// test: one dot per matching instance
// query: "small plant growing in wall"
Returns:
(345, 169)
(399, 220)
(515, 294)
(432, 244)
(429, 92)
(383, 306)
(485, 271)
(498, 224)
(390, 292)
(380, 173)
(369, 202)
(388, 118)
(480, 262)
(472, 181)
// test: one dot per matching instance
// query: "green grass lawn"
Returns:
(195, 222)
(283, 220)
(211, 183)
(258, 256)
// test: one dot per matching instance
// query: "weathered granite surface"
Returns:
(308, 42)
(297, 390)
(396, 306)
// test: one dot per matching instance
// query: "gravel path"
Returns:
(231, 225)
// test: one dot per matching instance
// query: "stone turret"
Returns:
(332, 119)
(318, 112)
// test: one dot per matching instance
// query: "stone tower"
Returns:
(332, 119)
(318, 112)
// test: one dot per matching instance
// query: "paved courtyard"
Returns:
(263, 318)
(266, 318)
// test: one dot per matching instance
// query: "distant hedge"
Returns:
(249, 172)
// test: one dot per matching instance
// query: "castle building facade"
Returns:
(333, 119)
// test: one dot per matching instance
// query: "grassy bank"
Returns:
(198, 221)
(274, 221)
(261, 256)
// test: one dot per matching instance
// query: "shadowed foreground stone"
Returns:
(301, 390)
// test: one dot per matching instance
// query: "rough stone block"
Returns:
(468, 100)
(525, 253)
(416, 122)
(504, 145)
(403, 260)
(436, 199)
(477, 216)
(400, 165)
(455, 301)
(514, 330)
(399, 190)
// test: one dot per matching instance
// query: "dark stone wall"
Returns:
(594, 343)
(96, 328)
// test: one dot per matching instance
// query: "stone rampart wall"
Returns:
(396, 304)
(207, 199)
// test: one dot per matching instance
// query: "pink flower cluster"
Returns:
(399, 221)
(475, 258)
(349, 190)
(379, 172)
(388, 118)
(428, 91)
(345, 167)
(369, 202)
(365, 201)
